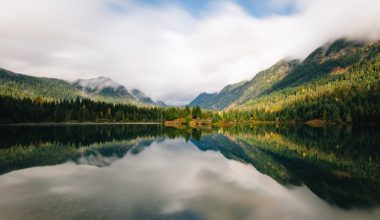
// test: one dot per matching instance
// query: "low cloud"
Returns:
(167, 52)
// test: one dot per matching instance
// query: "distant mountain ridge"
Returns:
(142, 97)
(97, 89)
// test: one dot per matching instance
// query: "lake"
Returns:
(154, 172)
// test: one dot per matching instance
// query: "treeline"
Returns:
(15, 110)
(347, 105)
(338, 102)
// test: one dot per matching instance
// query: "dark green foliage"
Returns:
(23, 86)
(196, 112)
(85, 110)
(26, 110)
(339, 55)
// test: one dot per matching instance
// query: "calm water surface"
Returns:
(152, 172)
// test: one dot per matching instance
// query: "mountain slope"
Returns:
(98, 89)
(339, 54)
(23, 86)
(264, 80)
(204, 100)
(137, 94)
(342, 85)
(336, 83)
(237, 94)
(104, 89)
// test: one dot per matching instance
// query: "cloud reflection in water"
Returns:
(169, 179)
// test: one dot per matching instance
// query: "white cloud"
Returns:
(165, 51)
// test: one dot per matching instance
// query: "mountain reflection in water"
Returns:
(153, 172)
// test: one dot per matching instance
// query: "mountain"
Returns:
(161, 103)
(106, 87)
(103, 88)
(97, 89)
(140, 96)
(330, 57)
(333, 74)
(23, 86)
(239, 93)
(204, 100)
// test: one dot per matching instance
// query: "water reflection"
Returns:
(259, 172)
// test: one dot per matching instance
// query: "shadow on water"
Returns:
(27, 146)
(339, 164)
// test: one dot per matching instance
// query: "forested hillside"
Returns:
(239, 93)
(23, 86)
(335, 83)
(343, 86)
(98, 89)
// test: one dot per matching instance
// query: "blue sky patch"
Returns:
(256, 8)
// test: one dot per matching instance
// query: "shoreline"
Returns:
(81, 123)
(313, 123)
